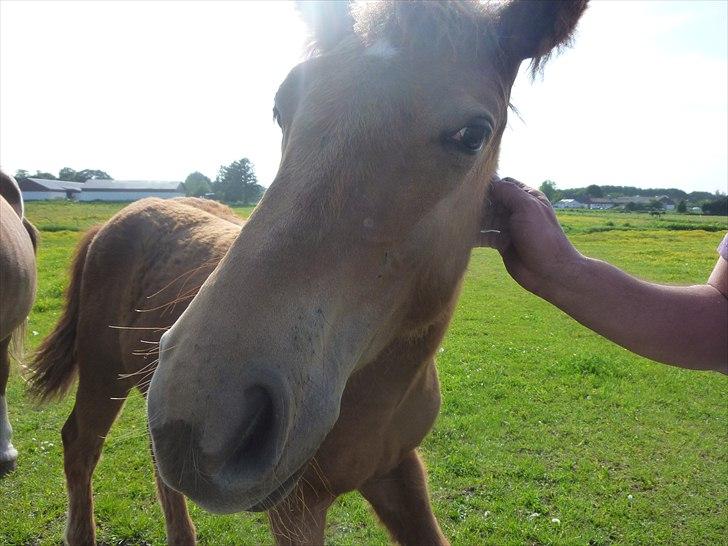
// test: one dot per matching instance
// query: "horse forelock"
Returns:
(462, 30)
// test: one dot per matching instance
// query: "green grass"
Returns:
(541, 418)
(590, 221)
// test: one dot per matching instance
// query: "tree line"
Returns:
(67, 174)
(234, 183)
(710, 203)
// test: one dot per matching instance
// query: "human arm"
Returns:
(681, 325)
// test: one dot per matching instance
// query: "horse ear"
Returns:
(531, 29)
(329, 21)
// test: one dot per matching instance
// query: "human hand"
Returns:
(520, 223)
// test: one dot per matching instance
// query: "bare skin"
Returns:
(684, 326)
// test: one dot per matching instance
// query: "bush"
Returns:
(719, 207)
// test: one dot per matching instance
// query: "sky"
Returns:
(157, 90)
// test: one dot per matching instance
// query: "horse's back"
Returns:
(142, 269)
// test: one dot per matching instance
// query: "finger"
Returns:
(509, 188)
(512, 195)
(528, 189)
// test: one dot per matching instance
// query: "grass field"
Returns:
(548, 434)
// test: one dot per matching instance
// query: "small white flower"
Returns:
(555, 520)
(629, 497)
(35, 332)
(534, 515)
(486, 513)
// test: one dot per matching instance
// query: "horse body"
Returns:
(17, 293)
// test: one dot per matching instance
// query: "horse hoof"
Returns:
(6, 467)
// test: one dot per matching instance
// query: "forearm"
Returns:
(685, 326)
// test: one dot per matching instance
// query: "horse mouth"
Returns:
(280, 493)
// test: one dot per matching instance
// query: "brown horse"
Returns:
(304, 366)
(17, 291)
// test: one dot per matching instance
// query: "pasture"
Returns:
(547, 434)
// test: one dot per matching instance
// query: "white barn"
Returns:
(129, 190)
(569, 204)
(40, 189)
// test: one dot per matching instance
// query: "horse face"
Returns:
(390, 134)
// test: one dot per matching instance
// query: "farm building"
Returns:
(600, 203)
(129, 190)
(40, 189)
(569, 204)
(667, 203)
(636, 199)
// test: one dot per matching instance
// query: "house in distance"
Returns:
(40, 189)
(129, 190)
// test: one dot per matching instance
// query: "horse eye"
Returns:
(471, 137)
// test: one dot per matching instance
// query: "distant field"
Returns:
(548, 434)
(578, 221)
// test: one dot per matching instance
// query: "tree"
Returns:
(594, 191)
(719, 207)
(67, 173)
(237, 183)
(44, 176)
(682, 206)
(21, 173)
(197, 184)
(548, 188)
(91, 174)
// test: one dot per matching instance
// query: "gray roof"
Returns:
(631, 199)
(131, 185)
(58, 185)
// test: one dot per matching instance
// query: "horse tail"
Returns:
(32, 233)
(54, 364)
(16, 349)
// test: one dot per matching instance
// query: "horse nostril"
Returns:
(224, 455)
(256, 438)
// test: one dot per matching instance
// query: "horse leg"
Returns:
(300, 518)
(401, 501)
(180, 529)
(8, 454)
(98, 402)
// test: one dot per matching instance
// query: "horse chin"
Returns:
(280, 493)
(230, 503)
